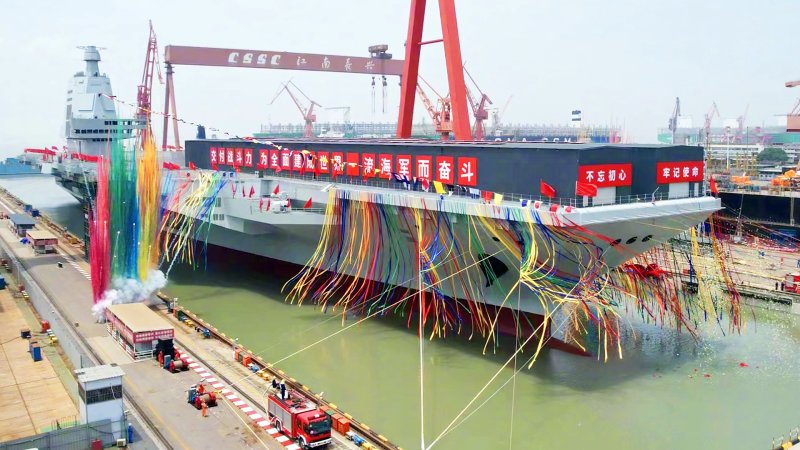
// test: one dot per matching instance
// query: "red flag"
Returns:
(713, 185)
(214, 166)
(261, 204)
(269, 202)
(277, 189)
(252, 191)
(308, 204)
(239, 171)
(243, 193)
(424, 183)
(585, 189)
(192, 166)
(546, 189)
(487, 195)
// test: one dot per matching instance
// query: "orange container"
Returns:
(246, 360)
(323, 408)
(236, 354)
(344, 425)
(336, 418)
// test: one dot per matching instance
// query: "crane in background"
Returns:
(707, 124)
(497, 115)
(673, 120)
(308, 112)
(740, 123)
(145, 89)
(440, 114)
(478, 109)
(793, 118)
(345, 116)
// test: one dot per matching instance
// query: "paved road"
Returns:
(160, 394)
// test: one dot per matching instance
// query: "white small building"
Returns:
(100, 393)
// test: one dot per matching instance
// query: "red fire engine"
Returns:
(299, 418)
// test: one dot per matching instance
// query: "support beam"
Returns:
(455, 71)
(167, 92)
(408, 89)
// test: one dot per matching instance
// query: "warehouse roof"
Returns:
(41, 234)
(22, 219)
(139, 318)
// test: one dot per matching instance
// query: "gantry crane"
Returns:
(673, 120)
(740, 122)
(478, 109)
(497, 115)
(440, 115)
(793, 118)
(145, 89)
(308, 113)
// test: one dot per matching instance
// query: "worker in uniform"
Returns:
(203, 409)
(200, 389)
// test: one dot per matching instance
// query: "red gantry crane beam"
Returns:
(308, 113)
(454, 64)
(380, 64)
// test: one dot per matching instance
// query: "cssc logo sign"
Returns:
(247, 58)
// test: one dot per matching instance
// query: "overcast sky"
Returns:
(621, 61)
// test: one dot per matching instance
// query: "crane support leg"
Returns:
(174, 113)
(455, 70)
(408, 90)
(167, 92)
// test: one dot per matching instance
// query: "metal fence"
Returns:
(460, 191)
(79, 437)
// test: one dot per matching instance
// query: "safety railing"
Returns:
(461, 191)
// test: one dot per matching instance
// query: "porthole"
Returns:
(647, 238)
(616, 242)
(495, 238)
(631, 240)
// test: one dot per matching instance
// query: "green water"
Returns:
(657, 397)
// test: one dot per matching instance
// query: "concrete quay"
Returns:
(159, 412)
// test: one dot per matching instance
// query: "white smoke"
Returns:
(128, 290)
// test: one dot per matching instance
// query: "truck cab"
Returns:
(299, 418)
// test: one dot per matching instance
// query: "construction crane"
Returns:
(145, 89)
(478, 109)
(740, 122)
(346, 115)
(793, 118)
(673, 120)
(440, 114)
(708, 117)
(308, 113)
(497, 114)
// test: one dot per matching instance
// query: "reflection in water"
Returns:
(668, 392)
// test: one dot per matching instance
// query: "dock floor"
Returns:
(32, 396)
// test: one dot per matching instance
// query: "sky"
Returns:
(621, 62)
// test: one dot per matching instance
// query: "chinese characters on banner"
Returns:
(149, 336)
(606, 175)
(458, 170)
(679, 172)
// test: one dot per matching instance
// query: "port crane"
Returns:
(497, 114)
(440, 114)
(673, 120)
(793, 118)
(478, 109)
(309, 117)
(708, 117)
(145, 88)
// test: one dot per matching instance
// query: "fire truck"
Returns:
(299, 418)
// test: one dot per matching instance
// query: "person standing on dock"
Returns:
(204, 409)
(783, 286)
(798, 263)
